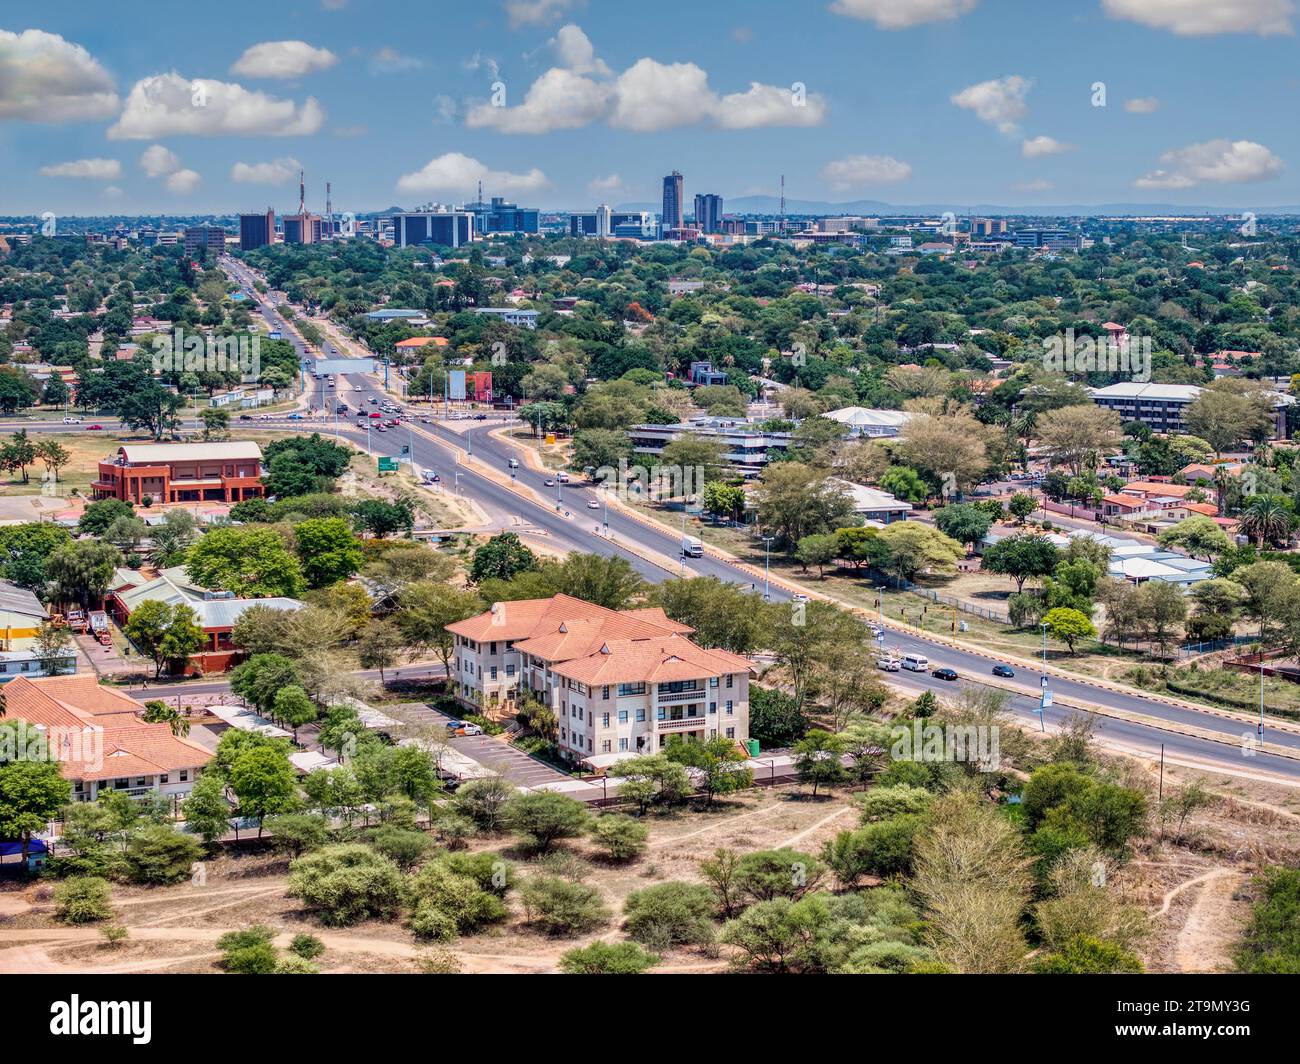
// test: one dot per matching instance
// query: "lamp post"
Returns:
(767, 568)
(1046, 696)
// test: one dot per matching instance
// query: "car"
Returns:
(945, 674)
(245, 417)
(392, 422)
(375, 415)
(549, 484)
(1004, 670)
(799, 596)
(94, 428)
(342, 408)
(480, 417)
(436, 479)
(592, 504)
(372, 400)
(468, 728)
(381, 428)
(888, 664)
(72, 421)
(513, 463)
(426, 421)
(455, 725)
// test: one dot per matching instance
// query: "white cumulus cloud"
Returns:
(1037, 147)
(282, 59)
(94, 169)
(1219, 161)
(903, 14)
(1142, 105)
(165, 105)
(574, 51)
(455, 173)
(183, 182)
(1203, 18)
(158, 161)
(559, 99)
(605, 186)
(1000, 102)
(44, 78)
(532, 12)
(276, 172)
(859, 170)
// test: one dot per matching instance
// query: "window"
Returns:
(185, 775)
(622, 716)
(731, 733)
(494, 672)
(631, 689)
(713, 681)
(713, 708)
(494, 647)
(604, 720)
(164, 778)
(141, 781)
(510, 670)
(605, 689)
(729, 679)
(580, 714)
(589, 746)
(661, 713)
(731, 707)
(606, 746)
(622, 745)
(640, 715)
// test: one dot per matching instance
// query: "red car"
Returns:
(376, 416)
(94, 428)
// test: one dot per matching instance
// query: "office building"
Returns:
(604, 222)
(745, 446)
(620, 682)
(502, 217)
(1047, 239)
(256, 230)
(181, 472)
(672, 217)
(444, 228)
(306, 228)
(200, 238)
(708, 213)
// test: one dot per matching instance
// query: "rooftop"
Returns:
(154, 453)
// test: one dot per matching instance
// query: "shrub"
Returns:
(83, 900)
(158, 855)
(767, 874)
(297, 833)
(604, 958)
(670, 914)
(405, 848)
(489, 871)
(620, 836)
(293, 965)
(249, 952)
(1085, 955)
(114, 934)
(447, 903)
(306, 946)
(542, 818)
(561, 907)
(484, 801)
(346, 883)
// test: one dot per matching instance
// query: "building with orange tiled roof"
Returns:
(100, 739)
(621, 682)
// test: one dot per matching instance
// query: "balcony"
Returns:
(681, 696)
(680, 723)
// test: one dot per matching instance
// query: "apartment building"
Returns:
(746, 445)
(99, 737)
(621, 682)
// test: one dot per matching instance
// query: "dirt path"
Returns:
(794, 840)
(1206, 940)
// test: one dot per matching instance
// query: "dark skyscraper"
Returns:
(673, 196)
(256, 230)
(708, 214)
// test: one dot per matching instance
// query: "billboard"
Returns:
(456, 384)
(343, 365)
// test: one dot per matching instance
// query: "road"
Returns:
(570, 525)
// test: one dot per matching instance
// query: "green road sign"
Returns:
(388, 465)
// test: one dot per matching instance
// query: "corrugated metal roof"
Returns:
(149, 453)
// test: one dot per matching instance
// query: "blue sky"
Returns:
(907, 101)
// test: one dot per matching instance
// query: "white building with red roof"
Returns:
(621, 682)
(100, 739)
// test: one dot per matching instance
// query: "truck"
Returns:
(99, 627)
(692, 547)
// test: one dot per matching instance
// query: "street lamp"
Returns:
(767, 568)
(1047, 694)
(458, 476)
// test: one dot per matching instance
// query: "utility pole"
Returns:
(767, 568)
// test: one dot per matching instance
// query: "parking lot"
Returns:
(494, 754)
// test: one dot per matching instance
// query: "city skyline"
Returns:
(949, 101)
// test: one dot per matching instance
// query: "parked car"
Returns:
(376, 415)
(468, 728)
(944, 674)
(889, 664)
(1004, 670)
(372, 400)
(455, 725)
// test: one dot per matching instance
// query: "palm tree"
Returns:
(157, 711)
(1265, 520)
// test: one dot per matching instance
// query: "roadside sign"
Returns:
(388, 465)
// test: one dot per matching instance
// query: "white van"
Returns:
(916, 663)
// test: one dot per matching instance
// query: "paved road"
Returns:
(570, 525)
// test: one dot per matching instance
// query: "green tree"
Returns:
(327, 550)
(31, 794)
(502, 557)
(545, 817)
(294, 708)
(670, 914)
(251, 562)
(263, 783)
(964, 523)
(260, 678)
(166, 633)
(605, 958)
(1022, 558)
(1069, 626)
(817, 759)
(620, 837)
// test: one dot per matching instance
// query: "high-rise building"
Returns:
(446, 228)
(204, 238)
(256, 230)
(708, 213)
(502, 217)
(603, 222)
(673, 201)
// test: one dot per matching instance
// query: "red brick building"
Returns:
(182, 472)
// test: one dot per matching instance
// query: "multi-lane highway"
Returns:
(563, 516)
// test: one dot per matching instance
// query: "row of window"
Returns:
(123, 783)
(577, 712)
